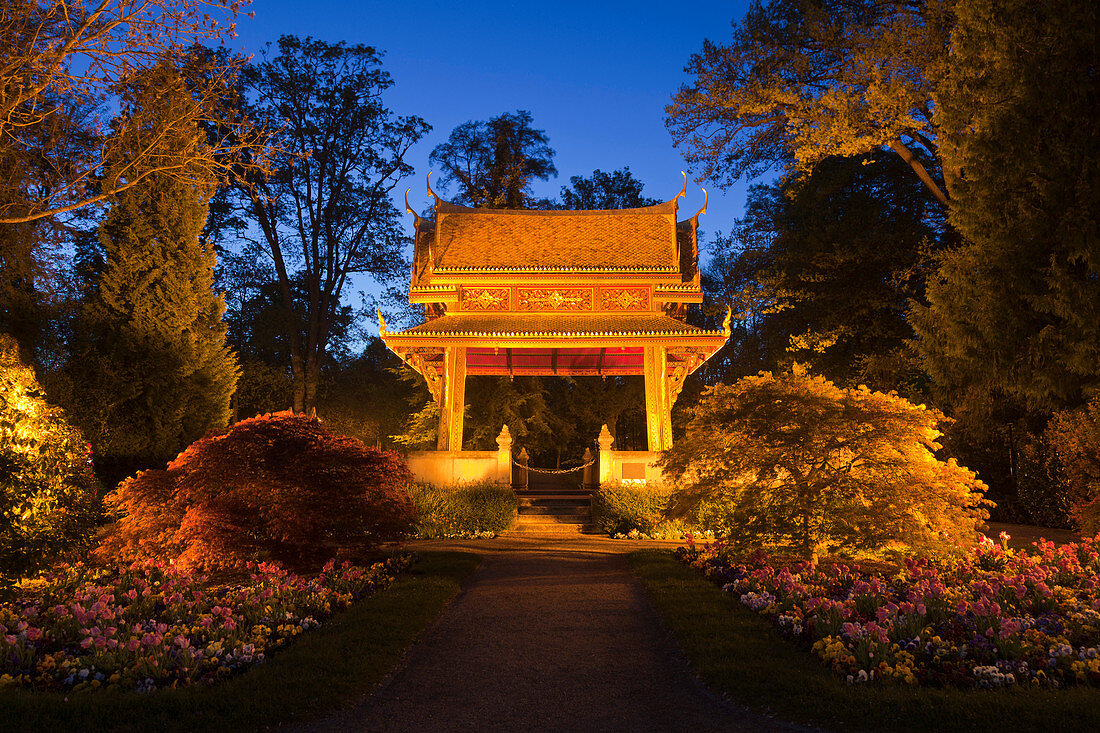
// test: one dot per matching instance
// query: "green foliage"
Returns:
(277, 487)
(366, 397)
(822, 269)
(803, 81)
(48, 494)
(494, 163)
(803, 463)
(619, 508)
(465, 510)
(150, 370)
(327, 219)
(616, 190)
(1075, 438)
(1015, 310)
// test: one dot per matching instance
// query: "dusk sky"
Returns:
(595, 76)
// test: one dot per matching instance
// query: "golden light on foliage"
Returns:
(796, 461)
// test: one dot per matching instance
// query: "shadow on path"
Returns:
(549, 634)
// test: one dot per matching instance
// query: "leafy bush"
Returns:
(1075, 437)
(642, 509)
(799, 462)
(463, 511)
(48, 494)
(277, 486)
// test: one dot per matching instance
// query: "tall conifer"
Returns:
(155, 373)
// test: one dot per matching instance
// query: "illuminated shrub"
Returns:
(278, 487)
(48, 501)
(797, 461)
(463, 511)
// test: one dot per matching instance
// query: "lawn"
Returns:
(742, 655)
(319, 672)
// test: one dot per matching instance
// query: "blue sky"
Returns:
(596, 76)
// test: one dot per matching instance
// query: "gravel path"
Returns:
(551, 634)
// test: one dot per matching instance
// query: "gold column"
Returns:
(657, 408)
(454, 399)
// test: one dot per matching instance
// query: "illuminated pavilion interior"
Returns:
(555, 293)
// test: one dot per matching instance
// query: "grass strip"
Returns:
(318, 673)
(741, 654)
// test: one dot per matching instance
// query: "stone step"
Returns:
(543, 499)
(524, 525)
(556, 510)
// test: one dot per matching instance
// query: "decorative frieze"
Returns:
(554, 299)
(624, 299)
(485, 299)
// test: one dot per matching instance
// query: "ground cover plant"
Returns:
(993, 618)
(275, 487)
(323, 670)
(741, 654)
(153, 625)
(477, 509)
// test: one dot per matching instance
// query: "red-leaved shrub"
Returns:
(275, 487)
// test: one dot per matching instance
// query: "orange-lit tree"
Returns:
(799, 462)
(48, 498)
(275, 487)
(63, 58)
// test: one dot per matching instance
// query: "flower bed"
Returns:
(994, 618)
(151, 625)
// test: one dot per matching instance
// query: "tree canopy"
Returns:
(616, 190)
(325, 214)
(1015, 309)
(63, 60)
(822, 269)
(802, 80)
(493, 163)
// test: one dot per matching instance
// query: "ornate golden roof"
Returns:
(564, 325)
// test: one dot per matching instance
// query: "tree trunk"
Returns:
(920, 170)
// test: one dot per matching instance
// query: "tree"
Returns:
(803, 80)
(63, 59)
(276, 487)
(616, 190)
(326, 213)
(823, 268)
(800, 462)
(151, 371)
(48, 493)
(1015, 309)
(494, 163)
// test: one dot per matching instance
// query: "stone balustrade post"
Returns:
(589, 481)
(519, 482)
(605, 440)
(504, 456)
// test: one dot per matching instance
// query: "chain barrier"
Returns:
(551, 471)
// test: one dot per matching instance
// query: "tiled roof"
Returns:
(498, 325)
(631, 239)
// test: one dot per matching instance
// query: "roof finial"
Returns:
(381, 324)
(726, 321)
(411, 210)
(703, 210)
(433, 193)
(684, 190)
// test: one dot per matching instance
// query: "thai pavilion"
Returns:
(565, 293)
